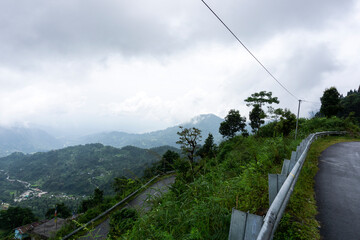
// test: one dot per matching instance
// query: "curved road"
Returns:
(337, 188)
(140, 203)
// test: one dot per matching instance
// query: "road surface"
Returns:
(140, 203)
(337, 187)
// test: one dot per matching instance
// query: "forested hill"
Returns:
(207, 123)
(79, 169)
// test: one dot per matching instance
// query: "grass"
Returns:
(299, 220)
(201, 209)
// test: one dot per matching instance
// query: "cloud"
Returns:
(138, 66)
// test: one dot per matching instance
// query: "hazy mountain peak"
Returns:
(203, 117)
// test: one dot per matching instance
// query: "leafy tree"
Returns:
(121, 184)
(287, 121)
(63, 211)
(261, 98)
(16, 217)
(98, 196)
(168, 160)
(96, 199)
(233, 123)
(188, 141)
(330, 102)
(256, 118)
(350, 104)
(257, 114)
(209, 148)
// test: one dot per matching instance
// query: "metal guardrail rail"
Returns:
(113, 207)
(277, 208)
(246, 225)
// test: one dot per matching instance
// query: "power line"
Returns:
(249, 51)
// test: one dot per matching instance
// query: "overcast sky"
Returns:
(83, 66)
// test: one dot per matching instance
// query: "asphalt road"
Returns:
(337, 187)
(141, 203)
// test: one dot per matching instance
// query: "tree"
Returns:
(209, 147)
(233, 123)
(261, 98)
(287, 121)
(257, 114)
(63, 211)
(330, 102)
(96, 199)
(168, 160)
(188, 141)
(98, 196)
(256, 118)
(122, 184)
(15, 217)
(350, 104)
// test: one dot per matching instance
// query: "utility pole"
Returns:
(297, 119)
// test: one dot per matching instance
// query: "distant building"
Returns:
(23, 232)
(4, 206)
(39, 230)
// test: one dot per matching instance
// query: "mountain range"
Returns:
(30, 140)
(207, 123)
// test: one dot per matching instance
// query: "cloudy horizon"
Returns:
(88, 66)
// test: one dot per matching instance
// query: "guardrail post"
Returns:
(275, 183)
(285, 167)
(293, 160)
(244, 226)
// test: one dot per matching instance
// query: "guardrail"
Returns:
(250, 226)
(113, 207)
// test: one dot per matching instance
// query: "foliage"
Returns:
(261, 98)
(350, 104)
(256, 118)
(257, 114)
(62, 210)
(122, 184)
(209, 148)
(122, 221)
(15, 217)
(96, 199)
(233, 123)
(201, 209)
(330, 102)
(40, 205)
(285, 124)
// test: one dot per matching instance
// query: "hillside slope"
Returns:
(79, 169)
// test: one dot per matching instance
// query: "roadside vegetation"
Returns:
(235, 175)
(212, 179)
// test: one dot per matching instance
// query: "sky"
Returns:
(85, 66)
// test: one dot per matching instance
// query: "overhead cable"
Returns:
(262, 65)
